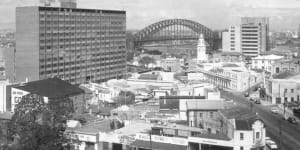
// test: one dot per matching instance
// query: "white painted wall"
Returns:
(3, 85)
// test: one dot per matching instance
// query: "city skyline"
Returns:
(143, 13)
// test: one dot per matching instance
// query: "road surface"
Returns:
(289, 139)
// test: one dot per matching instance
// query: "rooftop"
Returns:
(268, 57)
(133, 127)
(245, 124)
(233, 111)
(293, 60)
(205, 105)
(51, 88)
(230, 65)
(149, 77)
(286, 75)
(99, 125)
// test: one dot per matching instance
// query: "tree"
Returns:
(40, 125)
(125, 98)
(146, 60)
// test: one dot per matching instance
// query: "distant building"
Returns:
(177, 104)
(233, 77)
(254, 35)
(172, 64)
(3, 95)
(76, 45)
(299, 31)
(290, 65)
(265, 62)
(283, 87)
(52, 89)
(204, 114)
(232, 40)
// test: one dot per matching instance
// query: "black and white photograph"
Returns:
(149, 74)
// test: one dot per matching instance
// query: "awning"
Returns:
(157, 145)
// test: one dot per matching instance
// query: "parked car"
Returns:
(292, 120)
(271, 144)
(257, 101)
(275, 110)
(251, 99)
(246, 94)
(268, 139)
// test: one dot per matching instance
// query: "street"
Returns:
(289, 139)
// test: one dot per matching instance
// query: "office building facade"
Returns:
(77, 45)
(232, 40)
(254, 35)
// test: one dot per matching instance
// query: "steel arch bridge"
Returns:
(176, 27)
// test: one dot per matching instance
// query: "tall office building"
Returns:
(299, 31)
(77, 45)
(231, 40)
(254, 35)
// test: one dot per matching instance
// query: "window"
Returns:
(292, 90)
(241, 148)
(257, 135)
(209, 130)
(200, 115)
(211, 114)
(241, 136)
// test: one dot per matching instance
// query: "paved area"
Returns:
(285, 134)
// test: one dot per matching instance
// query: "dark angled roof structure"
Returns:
(284, 75)
(245, 124)
(242, 125)
(51, 88)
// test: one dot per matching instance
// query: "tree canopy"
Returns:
(40, 125)
(146, 60)
(125, 98)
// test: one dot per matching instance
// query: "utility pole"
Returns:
(284, 103)
(150, 137)
(280, 144)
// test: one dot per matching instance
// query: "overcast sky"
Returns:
(215, 14)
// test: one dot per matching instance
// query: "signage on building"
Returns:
(83, 137)
(162, 139)
(211, 141)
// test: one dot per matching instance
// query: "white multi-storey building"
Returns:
(254, 35)
(265, 62)
(232, 39)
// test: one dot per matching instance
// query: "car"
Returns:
(271, 144)
(251, 99)
(292, 120)
(268, 139)
(246, 94)
(275, 110)
(257, 101)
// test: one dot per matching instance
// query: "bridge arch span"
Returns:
(147, 34)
